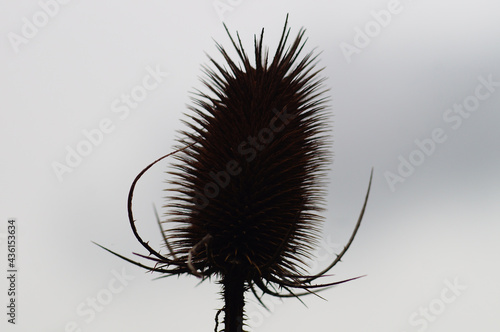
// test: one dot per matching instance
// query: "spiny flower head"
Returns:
(248, 179)
(252, 180)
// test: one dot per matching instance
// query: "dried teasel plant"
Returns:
(249, 179)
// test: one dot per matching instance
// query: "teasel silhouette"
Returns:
(249, 180)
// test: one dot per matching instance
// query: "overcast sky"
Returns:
(415, 93)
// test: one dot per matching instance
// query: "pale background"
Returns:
(439, 226)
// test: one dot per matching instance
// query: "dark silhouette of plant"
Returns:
(249, 179)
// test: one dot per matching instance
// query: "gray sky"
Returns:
(415, 88)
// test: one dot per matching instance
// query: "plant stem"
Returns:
(234, 298)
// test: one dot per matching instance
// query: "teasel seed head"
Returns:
(248, 181)
(253, 179)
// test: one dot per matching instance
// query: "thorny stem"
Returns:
(234, 290)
